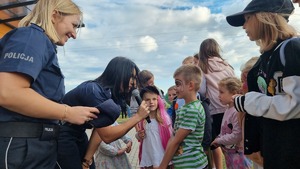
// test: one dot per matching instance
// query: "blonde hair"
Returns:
(190, 73)
(172, 88)
(42, 13)
(272, 27)
(187, 60)
(249, 64)
(232, 84)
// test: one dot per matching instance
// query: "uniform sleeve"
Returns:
(279, 107)
(24, 52)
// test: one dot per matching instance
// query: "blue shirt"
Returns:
(29, 51)
(92, 94)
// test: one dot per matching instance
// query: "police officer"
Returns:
(32, 86)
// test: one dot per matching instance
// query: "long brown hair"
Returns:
(208, 48)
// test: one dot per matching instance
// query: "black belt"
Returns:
(29, 130)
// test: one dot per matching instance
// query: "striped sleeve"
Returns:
(239, 103)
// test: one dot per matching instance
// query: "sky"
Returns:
(156, 34)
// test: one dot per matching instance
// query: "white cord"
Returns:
(6, 166)
(58, 165)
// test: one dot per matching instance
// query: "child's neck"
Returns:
(190, 98)
(230, 105)
(152, 114)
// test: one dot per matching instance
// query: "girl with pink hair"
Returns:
(153, 136)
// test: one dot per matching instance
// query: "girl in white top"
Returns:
(153, 136)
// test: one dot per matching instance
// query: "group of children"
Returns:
(242, 134)
(163, 146)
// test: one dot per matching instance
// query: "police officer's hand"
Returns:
(143, 110)
(81, 114)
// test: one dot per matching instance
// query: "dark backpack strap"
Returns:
(174, 110)
(207, 138)
(281, 52)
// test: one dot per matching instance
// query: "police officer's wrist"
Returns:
(65, 113)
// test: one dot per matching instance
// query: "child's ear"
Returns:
(191, 85)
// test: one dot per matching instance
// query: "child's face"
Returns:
(196, 61)
(150, 82)
(225, 96)
(151, 101)
(244, 81)
(181, 88)
(171, 94)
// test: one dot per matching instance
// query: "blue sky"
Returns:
(156, 34)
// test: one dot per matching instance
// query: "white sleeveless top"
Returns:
(153, 151)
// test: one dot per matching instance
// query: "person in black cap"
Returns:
(108, 93)
(273, 83)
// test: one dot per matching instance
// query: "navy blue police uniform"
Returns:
(73, 140)
(28, 142)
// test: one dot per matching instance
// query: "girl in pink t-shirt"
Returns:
(230, 137)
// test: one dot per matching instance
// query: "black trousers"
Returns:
(72, 145)
(27, 153)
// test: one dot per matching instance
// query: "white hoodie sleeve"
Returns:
(278, 107)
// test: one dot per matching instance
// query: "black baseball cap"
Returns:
(273, 6)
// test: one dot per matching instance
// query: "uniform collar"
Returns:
(35, 26)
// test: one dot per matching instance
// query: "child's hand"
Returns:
(128, 147)
(121, 151)
(214, 143)
(234, 96)
(142, 134)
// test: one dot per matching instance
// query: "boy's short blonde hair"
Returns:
(190, 73)
(232, 84)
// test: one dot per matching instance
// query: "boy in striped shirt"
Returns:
(185, 149)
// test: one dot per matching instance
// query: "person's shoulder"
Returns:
(294, 42)
(92, 85)
(194, 106)
(32, 34)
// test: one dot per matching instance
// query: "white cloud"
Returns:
(155, 34)
(148, 43)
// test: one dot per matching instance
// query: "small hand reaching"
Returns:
(214, 143)
(128, 147)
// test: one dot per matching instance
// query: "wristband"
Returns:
(65, 113)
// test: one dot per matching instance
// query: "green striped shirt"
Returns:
(191, 117)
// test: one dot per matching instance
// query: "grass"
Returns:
(122, 120)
